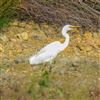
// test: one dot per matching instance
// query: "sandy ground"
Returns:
(75, 71)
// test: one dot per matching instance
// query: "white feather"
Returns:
(50, 51)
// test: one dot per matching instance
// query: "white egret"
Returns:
(49, 52)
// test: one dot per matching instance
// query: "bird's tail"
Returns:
(32, 60)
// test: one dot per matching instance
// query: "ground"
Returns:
(75, 72)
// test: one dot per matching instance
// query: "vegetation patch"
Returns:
(60, 12)
(7, 10)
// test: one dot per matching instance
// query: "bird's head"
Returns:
(67, 28)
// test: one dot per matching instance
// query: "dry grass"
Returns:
(56, 12)
(59, 12)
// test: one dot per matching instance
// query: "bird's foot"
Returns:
(50, 69)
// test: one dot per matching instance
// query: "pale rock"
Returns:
(25, 36)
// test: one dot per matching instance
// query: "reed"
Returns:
(7, 10)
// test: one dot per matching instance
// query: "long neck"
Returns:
(66, 42)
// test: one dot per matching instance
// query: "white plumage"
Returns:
(49, 52)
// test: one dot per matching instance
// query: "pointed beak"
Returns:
(75, 29)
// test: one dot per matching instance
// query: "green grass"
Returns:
(7, 10)
(39, 84)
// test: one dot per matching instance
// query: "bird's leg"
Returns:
(43, 67)
(54, 61)
(50, 67)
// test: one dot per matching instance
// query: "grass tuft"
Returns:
(7, 11)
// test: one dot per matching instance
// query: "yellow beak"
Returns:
(74, 29)
(74, 26)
